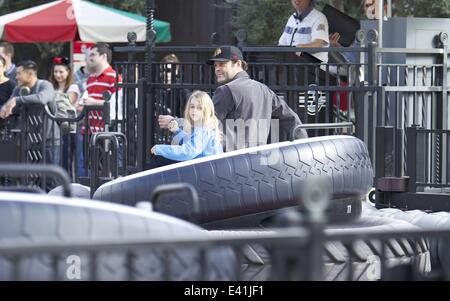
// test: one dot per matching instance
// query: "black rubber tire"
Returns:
(26, 218)
(366, 264)
(241, 183)
(439, 248)
(344, 211)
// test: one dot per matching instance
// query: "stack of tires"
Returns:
(439, 247)
(248, 188)
(39, 220)
(245, 189)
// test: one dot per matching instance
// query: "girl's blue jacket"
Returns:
(200, 143)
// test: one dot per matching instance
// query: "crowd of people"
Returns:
(240, 114)
(64, 87)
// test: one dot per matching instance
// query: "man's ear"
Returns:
(238, 63)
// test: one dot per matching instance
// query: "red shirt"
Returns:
(95, 86)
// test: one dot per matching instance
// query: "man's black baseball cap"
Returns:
(226, 53)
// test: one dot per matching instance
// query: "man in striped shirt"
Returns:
(102, 78)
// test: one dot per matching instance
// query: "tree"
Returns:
(422, 8)
(264, 20)
(134, 6)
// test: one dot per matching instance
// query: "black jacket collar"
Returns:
(300, 16)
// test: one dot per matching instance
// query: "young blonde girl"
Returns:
(200, 136)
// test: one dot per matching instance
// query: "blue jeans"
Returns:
(81, 154)
(53, 156)
(69, 150)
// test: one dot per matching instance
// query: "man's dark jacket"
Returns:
(249, 102)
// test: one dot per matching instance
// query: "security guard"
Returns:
(306, 28)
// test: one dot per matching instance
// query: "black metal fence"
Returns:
(412, 120)
(296, 246)
(294, 253)
(375, 102)
(36, 136)
(323, 95)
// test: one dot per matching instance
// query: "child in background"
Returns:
(200, 136)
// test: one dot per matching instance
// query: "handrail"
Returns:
(25, 169)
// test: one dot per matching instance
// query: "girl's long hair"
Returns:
(209, 120)
(69, 79)
(3, 60)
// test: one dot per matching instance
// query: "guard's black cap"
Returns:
(226, 53)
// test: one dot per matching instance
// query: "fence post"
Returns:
(372, 36)
(151, 35)
(443, 39)
(384, 157)
(146, 120)
(384, 143)
(129, 103)
(241, 37)
(411, 163)
(142, 134)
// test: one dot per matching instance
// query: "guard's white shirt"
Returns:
(314, 26)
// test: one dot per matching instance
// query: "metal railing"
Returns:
(370, 96)
(295, 253)
(36, 136)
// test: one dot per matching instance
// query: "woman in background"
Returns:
(62, 80)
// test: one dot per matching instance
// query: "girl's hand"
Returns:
(173, 125)
(153, 150)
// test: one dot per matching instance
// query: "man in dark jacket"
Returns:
(247, 109)
(40, 92)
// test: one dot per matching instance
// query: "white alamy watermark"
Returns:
(70, 13)
(240, 134)
(373, 271)
(73, 271)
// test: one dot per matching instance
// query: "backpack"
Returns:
(65, 109)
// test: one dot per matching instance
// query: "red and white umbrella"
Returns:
(71, 20)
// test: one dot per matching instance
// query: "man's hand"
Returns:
(173, 125)
(334, 39)
(153, 150)
(164, 121)
(80, 108)
(7, 108)
(89, 101)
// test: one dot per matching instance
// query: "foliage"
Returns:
(423, 8)
(134, 6)
(261, 19)
(264, 20)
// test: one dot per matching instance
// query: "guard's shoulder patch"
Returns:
(321, 27)
(288, 29)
